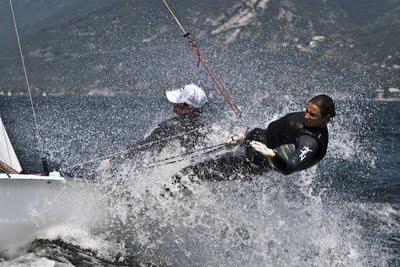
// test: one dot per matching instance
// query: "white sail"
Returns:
(7, 153)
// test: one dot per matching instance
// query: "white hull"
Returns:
(32, 203)
(53, 176)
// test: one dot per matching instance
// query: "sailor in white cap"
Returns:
(187, 128)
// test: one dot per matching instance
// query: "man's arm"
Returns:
(307, 147)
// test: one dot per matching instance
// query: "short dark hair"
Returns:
(325, 104)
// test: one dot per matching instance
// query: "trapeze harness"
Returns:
(297, 147)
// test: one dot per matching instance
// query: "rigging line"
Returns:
(187, 155)
(174, 17)
(201, 150)
(221, 88)
(192, 152)
(112, 155)
(26, 78)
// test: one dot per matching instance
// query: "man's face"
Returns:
(183, 109)
(313, 117)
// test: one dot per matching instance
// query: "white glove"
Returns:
(235, 139)
(263, 149)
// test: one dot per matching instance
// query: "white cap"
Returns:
(190, 94)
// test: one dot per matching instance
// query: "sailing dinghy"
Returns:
(26, 200)
(22, 196)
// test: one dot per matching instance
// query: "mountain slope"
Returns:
(133, 47)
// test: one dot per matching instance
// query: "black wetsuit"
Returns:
(298, 147)
(189, 130)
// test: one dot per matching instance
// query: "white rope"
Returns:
(128, 150)
(26, 78)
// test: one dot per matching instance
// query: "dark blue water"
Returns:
(344, 212)
(385, 133)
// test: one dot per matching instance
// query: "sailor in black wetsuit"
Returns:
(296, 141)
(292, 143)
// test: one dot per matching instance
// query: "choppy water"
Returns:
(345, 212)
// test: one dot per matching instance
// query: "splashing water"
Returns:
(272, 220)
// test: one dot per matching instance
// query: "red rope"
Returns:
(221, 88)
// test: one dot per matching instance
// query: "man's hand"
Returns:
(263, 149)
(235, 139)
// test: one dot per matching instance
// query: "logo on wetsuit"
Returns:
(304, 152)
